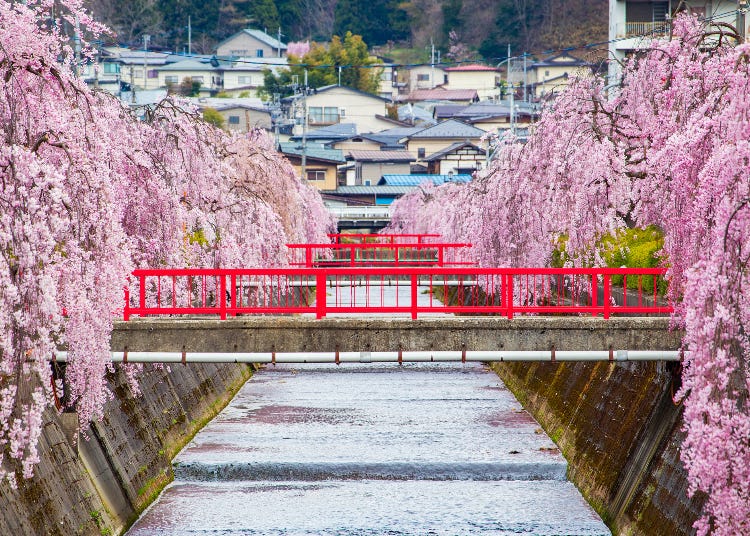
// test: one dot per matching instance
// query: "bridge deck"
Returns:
(384, 334)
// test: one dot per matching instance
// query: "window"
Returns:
(197, 79)
(239, 52)
(546, 73)
(342, 112)
(171, 79)
(234, 119)
(423, 78)
(111, 68)
(316, 174)
(386, 76)
(138, 73)
(325, 115)
(259, 53)
(153, 73)
(244, 80)
(420, 152)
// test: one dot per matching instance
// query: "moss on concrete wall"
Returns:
(618, 428)
(102, 484)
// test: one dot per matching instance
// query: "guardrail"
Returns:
(324, 291)
(365, 212)
(374, 254)
(362, 238)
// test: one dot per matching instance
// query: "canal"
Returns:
(371, 449)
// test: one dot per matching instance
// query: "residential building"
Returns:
(369, 166)
(242, 76)
(491, 116)
(320, 166)
(173, 74)
(334, 104)
(139, 69)
(460, 158)
(442, 94)
(240, 115)
(251, 44)
(485, 80)
(552, 74)
(634, 24)
(420, 77)
(434, 139)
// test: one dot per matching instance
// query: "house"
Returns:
(482, 78)
(492, 116)
(139, 69)
(334, 104)
(443, 94)
(551, 74)
(327, 135)
(460, 158)
(173, 74)
(240, 115)
(634, 24)
(369, 166)
(419, 77)
(251, 44)
(385, 140)
(247, 75)
(441, 136)
(417, 180)
(320, 163)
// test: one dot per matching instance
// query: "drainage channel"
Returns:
(364, 449)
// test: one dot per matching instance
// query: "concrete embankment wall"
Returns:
(621, 433)
(100, 485)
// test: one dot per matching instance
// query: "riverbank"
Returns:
(620, 431)
(100, 484)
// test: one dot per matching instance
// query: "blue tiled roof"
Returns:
(416, 180)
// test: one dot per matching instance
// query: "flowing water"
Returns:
(364, 449)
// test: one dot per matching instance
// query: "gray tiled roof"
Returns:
(449, 129)
(315, 151)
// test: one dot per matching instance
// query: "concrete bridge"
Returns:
(318, 308)
(458, 334)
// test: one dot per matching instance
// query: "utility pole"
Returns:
(146, 39)
(304, 130)
(741, 10)
(279, 41)
(190, 38)
(77, 45)
(432, 64)
(510, 86)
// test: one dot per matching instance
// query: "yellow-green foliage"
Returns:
(631, 248)
(210, 115)
(634, 248)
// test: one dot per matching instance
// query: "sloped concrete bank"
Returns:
(101, 484)
(618, 428)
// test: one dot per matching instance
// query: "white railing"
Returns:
(365, 212)
(643, 29)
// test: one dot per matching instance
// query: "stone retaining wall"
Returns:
(101, 484)
(620, 431)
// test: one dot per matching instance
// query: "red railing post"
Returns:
(352, 255)
(142, 293)
(233, 294)
(320, 295)
(440, 256)
(594, 292)
(607, 296)
(509, 294)
(308, 257)
(222, 297)
(126, 309)
(414, 296)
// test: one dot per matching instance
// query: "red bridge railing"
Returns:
(399, 290)
(379, 254)
(358, 238)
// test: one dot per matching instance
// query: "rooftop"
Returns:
(450, 128)
(381, 156)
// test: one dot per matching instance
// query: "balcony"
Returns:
(644, 29)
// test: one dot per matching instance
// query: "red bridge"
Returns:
(389, 274)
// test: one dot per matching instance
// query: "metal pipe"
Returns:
(392, 357)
